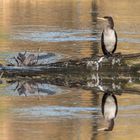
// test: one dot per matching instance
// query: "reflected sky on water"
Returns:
(60, 108)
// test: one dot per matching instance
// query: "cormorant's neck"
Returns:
(107, 28)
(110, 26)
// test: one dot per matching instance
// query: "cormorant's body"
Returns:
(109, 37)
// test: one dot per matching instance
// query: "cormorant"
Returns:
(109, 37)
(109, 109)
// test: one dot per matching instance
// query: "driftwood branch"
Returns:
(131, 56)
(31, 64)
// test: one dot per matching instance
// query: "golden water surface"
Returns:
(69, 28)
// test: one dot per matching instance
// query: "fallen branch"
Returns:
(27, 64)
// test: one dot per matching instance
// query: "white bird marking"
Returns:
(109, 39)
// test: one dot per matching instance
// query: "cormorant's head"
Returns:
(110, 125)
(109, 19)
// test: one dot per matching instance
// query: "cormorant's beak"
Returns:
(101, 18)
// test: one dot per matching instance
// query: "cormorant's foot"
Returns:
(108, 55)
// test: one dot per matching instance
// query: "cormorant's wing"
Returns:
(103, 45)
(115, 46)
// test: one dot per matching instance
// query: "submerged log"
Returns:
(97, 73)
(39, 64)
(131, 56)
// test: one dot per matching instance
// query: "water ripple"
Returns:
(59, 36)
(63, 36)
(56, 111)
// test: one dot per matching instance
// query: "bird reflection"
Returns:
(109, 109)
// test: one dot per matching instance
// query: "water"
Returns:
(68, 106)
